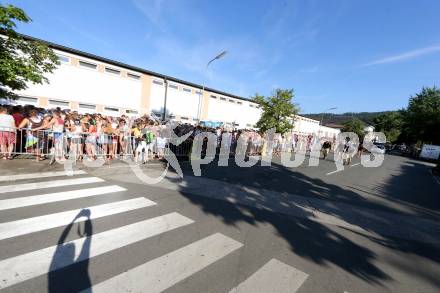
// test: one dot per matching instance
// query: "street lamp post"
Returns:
(322, 116)
(199, 110)
(164, 117)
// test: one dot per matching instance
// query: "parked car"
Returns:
(389, 147)
(380, 148)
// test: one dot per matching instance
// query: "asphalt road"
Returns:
(259, 229)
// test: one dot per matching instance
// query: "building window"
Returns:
(173, 86)
(27, 100)
(63, 59)
(231, 101)
(131, 112)
(88, 64)
(158, 82)
(240, 103)
(184, 118)
(110, 109)
(87, 106)
(112, 70)
(222, 99)
(198, 92)
(58, 103)
(133, 76)
(213, 97)
(185, 89)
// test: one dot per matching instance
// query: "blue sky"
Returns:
(355, 55)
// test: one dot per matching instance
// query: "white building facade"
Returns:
(306, 126)
(88, 83)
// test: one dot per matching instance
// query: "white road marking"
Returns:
(30, 265)
(31, 225)
(165, 271)
(143, 166)
(336, 171)
(274, 276)
(38, 175)
(57, 196)
(333, 172)
(48, 184)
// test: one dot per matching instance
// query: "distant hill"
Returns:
(330, 118)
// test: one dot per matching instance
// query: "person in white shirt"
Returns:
(7, 134)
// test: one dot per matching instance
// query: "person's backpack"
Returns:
(149, 137)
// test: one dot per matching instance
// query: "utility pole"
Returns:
(322, 116)
(165, 101)
(199, 110)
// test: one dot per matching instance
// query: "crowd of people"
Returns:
(62, 133)
(59, 132)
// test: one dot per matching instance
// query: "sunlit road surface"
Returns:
(260, 229)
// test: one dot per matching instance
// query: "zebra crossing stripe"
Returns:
(274, 276)
(27, 266)
(39, 175)
(163, 272)
(57, 196)
(49, 184)
(40, 223)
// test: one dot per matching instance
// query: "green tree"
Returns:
(278, 111)
(21, 61)
(390, 124)
(355, 125)
(422, 117)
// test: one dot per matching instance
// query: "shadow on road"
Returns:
(413, 185)
(72, 278)
(294, 181)
(307, 237)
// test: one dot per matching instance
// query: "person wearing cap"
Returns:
(346, 159)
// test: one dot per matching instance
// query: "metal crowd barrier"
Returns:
(98, 145)
(47, 142)
(41, 143)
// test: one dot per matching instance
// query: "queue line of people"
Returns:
(37, 131)
(63, 133)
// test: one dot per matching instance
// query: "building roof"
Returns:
(299, 117)
(334, 125)
(131, 67)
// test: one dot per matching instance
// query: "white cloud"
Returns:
(152, 9)
(83, 33)
(187, 60)
(166, 16)
(185, 54)
(405, 56)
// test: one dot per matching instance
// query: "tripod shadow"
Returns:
(59, 277)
